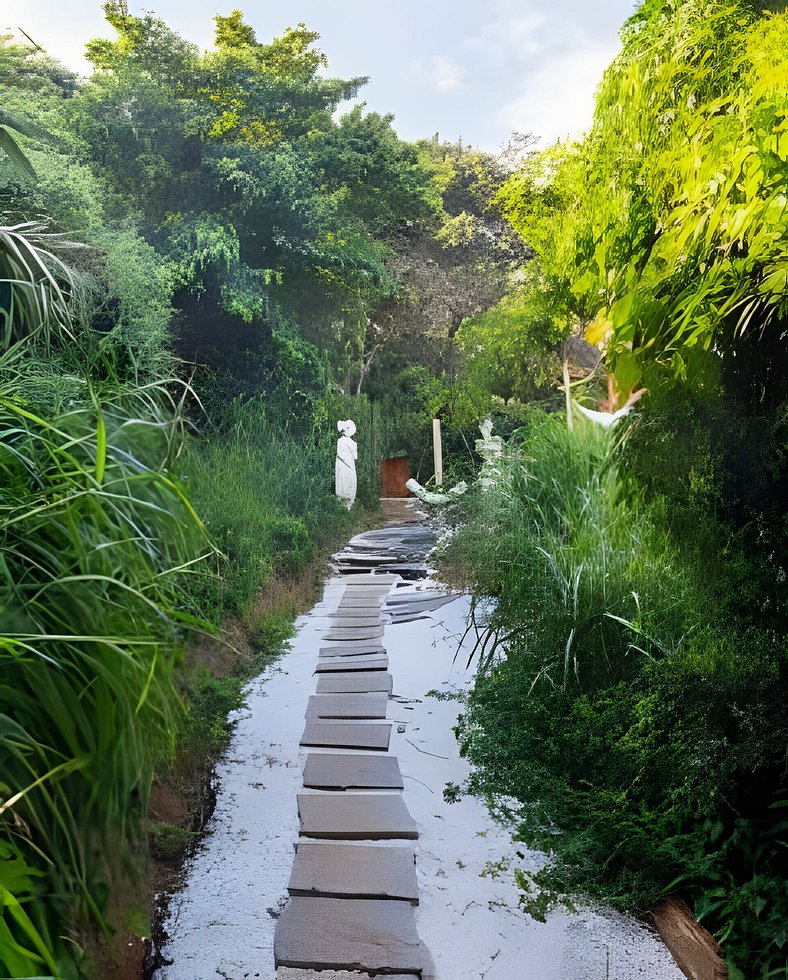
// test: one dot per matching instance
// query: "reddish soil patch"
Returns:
(166, 806)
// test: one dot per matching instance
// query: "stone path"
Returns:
(351, 907)
(356, 893)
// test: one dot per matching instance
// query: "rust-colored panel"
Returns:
(394, 474)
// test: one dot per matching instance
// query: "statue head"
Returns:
(347, 428)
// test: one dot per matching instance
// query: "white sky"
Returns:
(478, 69)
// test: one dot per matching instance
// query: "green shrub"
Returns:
(641, 734)
(98, 544)
(266, 496)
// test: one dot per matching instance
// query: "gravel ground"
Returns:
(222, 923)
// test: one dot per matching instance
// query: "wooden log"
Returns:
(693, 948)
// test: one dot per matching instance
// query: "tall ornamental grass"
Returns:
(576, 566)
(97, 545)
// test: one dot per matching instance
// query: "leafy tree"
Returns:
(271, 212)
(663, 233)
(451, 266)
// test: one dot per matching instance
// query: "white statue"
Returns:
(345, 469)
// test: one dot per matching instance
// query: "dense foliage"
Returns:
(634, 706)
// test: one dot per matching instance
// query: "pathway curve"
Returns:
(362, 800)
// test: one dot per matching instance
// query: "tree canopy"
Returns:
(662, 235)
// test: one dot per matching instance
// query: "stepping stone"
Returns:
(349, 620)
(378, 662)
(349, 648)
(368, 584)
(354, 632)
(288, 973)
(355, 816)
(355, 871)
(357, 560)
(409, 618)
(364, 601)
(354, 683)
(370, 595)
(420, 598)
(335, 734)
(347, 706)
(334, 933)
(324, 770)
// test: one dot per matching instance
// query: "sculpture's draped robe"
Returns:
(345, 470)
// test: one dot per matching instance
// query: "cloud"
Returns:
(440, 73)
(556, 98)
(516, 38)
(444, 74)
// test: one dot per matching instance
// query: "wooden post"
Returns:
(568, 395)
(438, 451)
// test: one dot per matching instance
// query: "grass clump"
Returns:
(98, 544)
(266, 497)
(169, 842)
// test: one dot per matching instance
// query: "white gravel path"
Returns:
(222, 923)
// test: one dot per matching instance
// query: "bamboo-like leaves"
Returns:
(35, 285)
(674, 206)
(96, 543)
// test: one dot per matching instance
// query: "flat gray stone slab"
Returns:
(355, 619)
(288, 973)
(356, 816)
(349, 933)
(355, 871)
(324, 770)
(335, 683)
(363, 559)
(369, 594)
(409, 618)
(334, 734)
(369, 705)
(331, 664)
(354, 632)
(421, 598)
(353, 648)
(369, 585)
